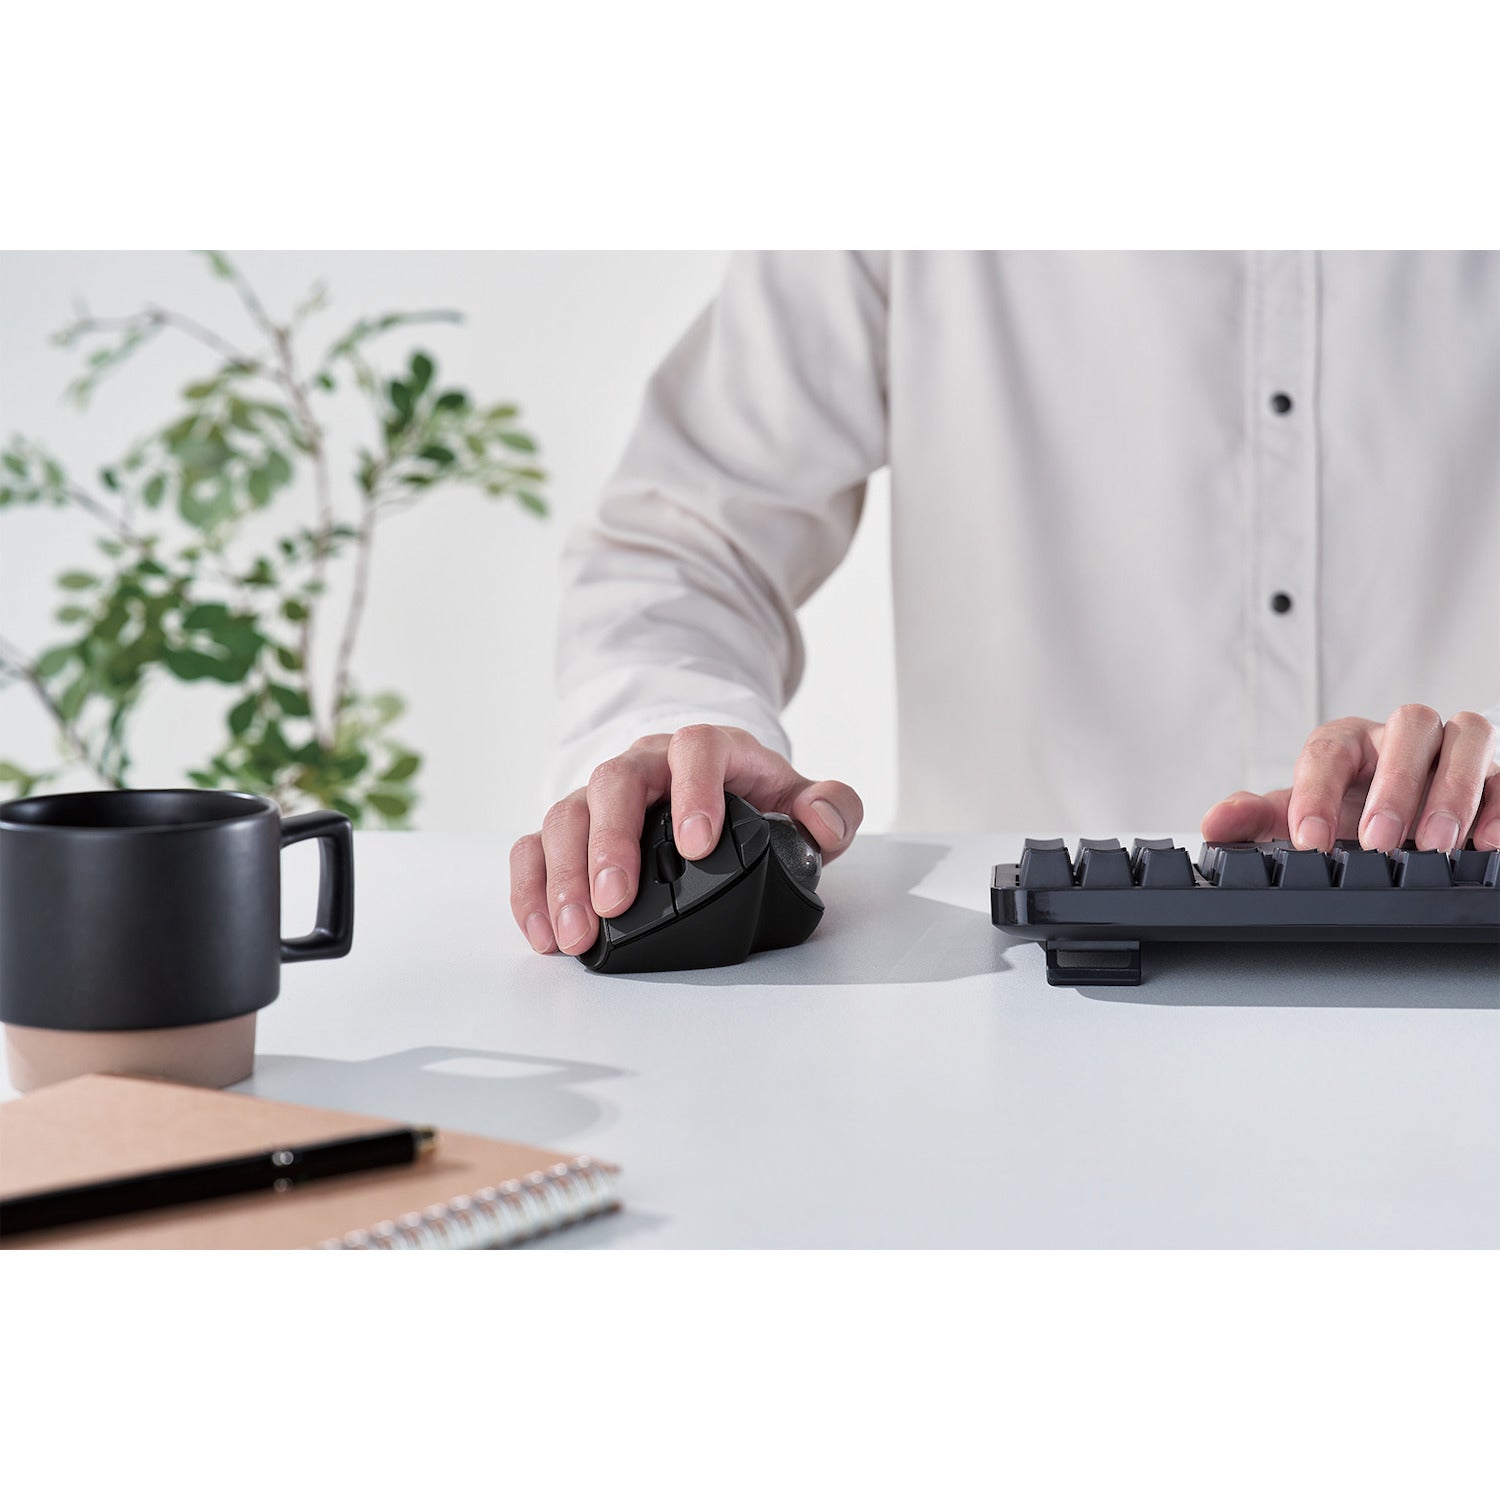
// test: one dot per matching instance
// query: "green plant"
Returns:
(195, 583)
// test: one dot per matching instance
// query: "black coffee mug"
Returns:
(150, 912)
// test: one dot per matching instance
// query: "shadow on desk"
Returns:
(513, 1095)
(1375, 976)
(875, 931)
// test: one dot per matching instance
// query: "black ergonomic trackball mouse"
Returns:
(754, 891)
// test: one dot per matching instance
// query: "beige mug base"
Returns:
(212, 1055)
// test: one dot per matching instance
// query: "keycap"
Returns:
(1241, 867)
(1159, 864)
(1476, 867)
(1356, 869)
(1422, 869)
(1300, 869)
(1045, 866)
(1102, 865)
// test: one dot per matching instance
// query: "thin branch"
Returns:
(363, 548)
(116, 522)
(17, 664)
(253, 304)
(317, 450)
(153, 316)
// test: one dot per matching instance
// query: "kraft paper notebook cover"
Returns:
(471, 1192)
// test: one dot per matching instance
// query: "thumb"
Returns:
(831, 811)
(1247, 818)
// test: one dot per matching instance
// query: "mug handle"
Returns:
(333, 932)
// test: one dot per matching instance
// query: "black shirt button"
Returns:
(1281, 403)
(1281, 603)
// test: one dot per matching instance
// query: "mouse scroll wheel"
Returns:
(669, 864)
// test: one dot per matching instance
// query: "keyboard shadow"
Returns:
(1372, 976)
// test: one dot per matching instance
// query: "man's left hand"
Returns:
(1412, 777)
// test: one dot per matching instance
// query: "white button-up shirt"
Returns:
(1155, 517)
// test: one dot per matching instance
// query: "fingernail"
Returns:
(830, 815)
(1383, 832)
(538, 933)
(609, 889)
(1489, 835)
(572, 927)
(1441, 831)
(1314, 833)
(696, 837)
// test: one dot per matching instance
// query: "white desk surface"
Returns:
(907, 1077)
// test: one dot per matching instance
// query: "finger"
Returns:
(1247, 818)
(565, 843)
(618, 794)
(1487, 820)
(1337, 757)
(697, 758)
(1467, 753)
(528, 892)
(831, 812)
(1413, 735)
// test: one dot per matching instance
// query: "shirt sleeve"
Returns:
(738, 494)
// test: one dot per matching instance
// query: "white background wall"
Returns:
(464, 591)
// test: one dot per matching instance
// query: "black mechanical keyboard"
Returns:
(1093, 907)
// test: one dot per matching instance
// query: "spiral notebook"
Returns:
(471, 1193)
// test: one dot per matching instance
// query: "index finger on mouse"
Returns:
(697, 758)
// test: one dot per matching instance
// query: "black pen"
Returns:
(267, 1171)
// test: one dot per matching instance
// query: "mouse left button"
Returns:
(653, 906)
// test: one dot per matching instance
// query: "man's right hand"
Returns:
(586, 861)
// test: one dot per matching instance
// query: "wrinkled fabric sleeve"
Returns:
(738, 494)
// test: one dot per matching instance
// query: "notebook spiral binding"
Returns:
(498, 1216)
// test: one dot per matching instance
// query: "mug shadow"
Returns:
(875, 930)
(514, 1095)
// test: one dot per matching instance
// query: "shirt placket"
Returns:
(1282, 606)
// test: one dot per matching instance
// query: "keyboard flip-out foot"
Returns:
(1073, 963)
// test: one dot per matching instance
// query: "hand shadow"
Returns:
(875, 931)
(513, 1095)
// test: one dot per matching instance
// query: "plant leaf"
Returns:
(403, 768)
(241, 714)
(291, 702)
(50, 663)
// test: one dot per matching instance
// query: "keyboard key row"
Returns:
(1104, 864)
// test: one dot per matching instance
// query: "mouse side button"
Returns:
(752, 835)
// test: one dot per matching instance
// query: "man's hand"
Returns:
(586, 861)
(1411, 777)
